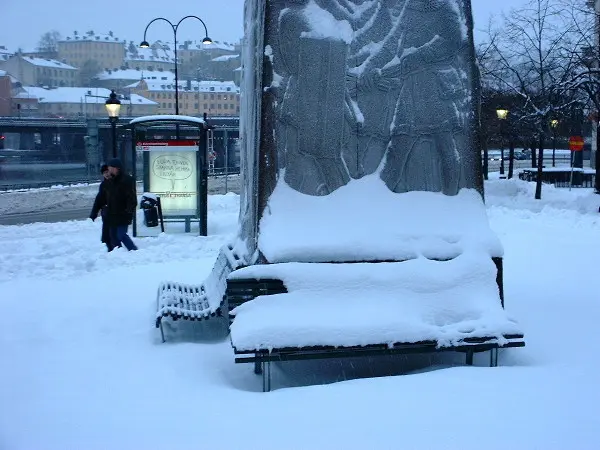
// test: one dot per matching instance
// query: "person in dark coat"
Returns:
(121, 201)
(100, 207)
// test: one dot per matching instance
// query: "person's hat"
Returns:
(103, 168)
(115, 162)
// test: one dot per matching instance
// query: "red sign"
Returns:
(576, 143)
(170, 145)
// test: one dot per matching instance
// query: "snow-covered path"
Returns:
(83, 366)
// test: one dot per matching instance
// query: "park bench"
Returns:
(179, 301)
(241, 290)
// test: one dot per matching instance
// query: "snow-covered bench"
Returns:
(297, 311)
(180, 301)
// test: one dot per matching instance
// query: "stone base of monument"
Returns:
(298, 311)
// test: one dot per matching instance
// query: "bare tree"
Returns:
(49, 41)
(528, 63)
(585, 49)
(88, 72)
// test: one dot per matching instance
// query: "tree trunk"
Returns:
(597, 158)
(540, 169)
(485, 158)
(511, 157)
(533, 158)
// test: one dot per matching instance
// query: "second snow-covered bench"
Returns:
(295, 311)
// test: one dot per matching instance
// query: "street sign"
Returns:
(576, 143)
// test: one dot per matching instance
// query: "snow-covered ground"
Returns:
(83, 366)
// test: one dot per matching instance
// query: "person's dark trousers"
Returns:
(106, 235)
(118, 236)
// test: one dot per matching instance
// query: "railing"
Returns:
(219, 172)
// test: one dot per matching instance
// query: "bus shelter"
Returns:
(169, 154)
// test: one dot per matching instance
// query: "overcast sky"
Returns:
(24, 21)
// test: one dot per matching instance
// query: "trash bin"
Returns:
(150, 206)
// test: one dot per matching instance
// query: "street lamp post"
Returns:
(554, 125)
(502, 115)
(113, 106)
(145, 44)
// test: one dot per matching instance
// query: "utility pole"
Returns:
(595, 159)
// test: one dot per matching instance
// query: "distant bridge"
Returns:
(10, 124)
(34, 140)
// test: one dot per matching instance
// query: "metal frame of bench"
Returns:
(240, 291)
(262, 359)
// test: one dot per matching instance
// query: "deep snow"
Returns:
(83, 367)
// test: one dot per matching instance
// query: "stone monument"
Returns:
(336, 90)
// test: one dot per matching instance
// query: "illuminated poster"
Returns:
(174, 175)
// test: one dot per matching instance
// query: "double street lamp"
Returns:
(113, 107)
(502, 115)
(145, 44)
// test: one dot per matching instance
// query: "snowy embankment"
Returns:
(83, 366)
(81, 196)
(55, 198)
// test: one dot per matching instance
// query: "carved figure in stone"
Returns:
(428, 125)
(311, 104)
(366, 83)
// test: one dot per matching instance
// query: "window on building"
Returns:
(195, 105)
(218, 106)
(212, 96)
(212, 106)
(170, 105)
(204, 106)
(225, 106)
(218, 96)
(164, 105)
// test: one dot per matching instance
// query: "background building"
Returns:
(5, 93)
(215, 98)
(82, 102)
(105, 50)
(159, 56)
(4, 54)
(120, 78)
(40, 72)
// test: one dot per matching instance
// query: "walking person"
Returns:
(121, 202)
(100, 207)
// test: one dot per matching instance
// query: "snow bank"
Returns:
(70, 249)
(519, 194)
(48, 199)
(364, 221)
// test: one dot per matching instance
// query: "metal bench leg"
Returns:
(494, 357)
(469, 361)
(162, 332)
(267, 376)
(257, 364)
